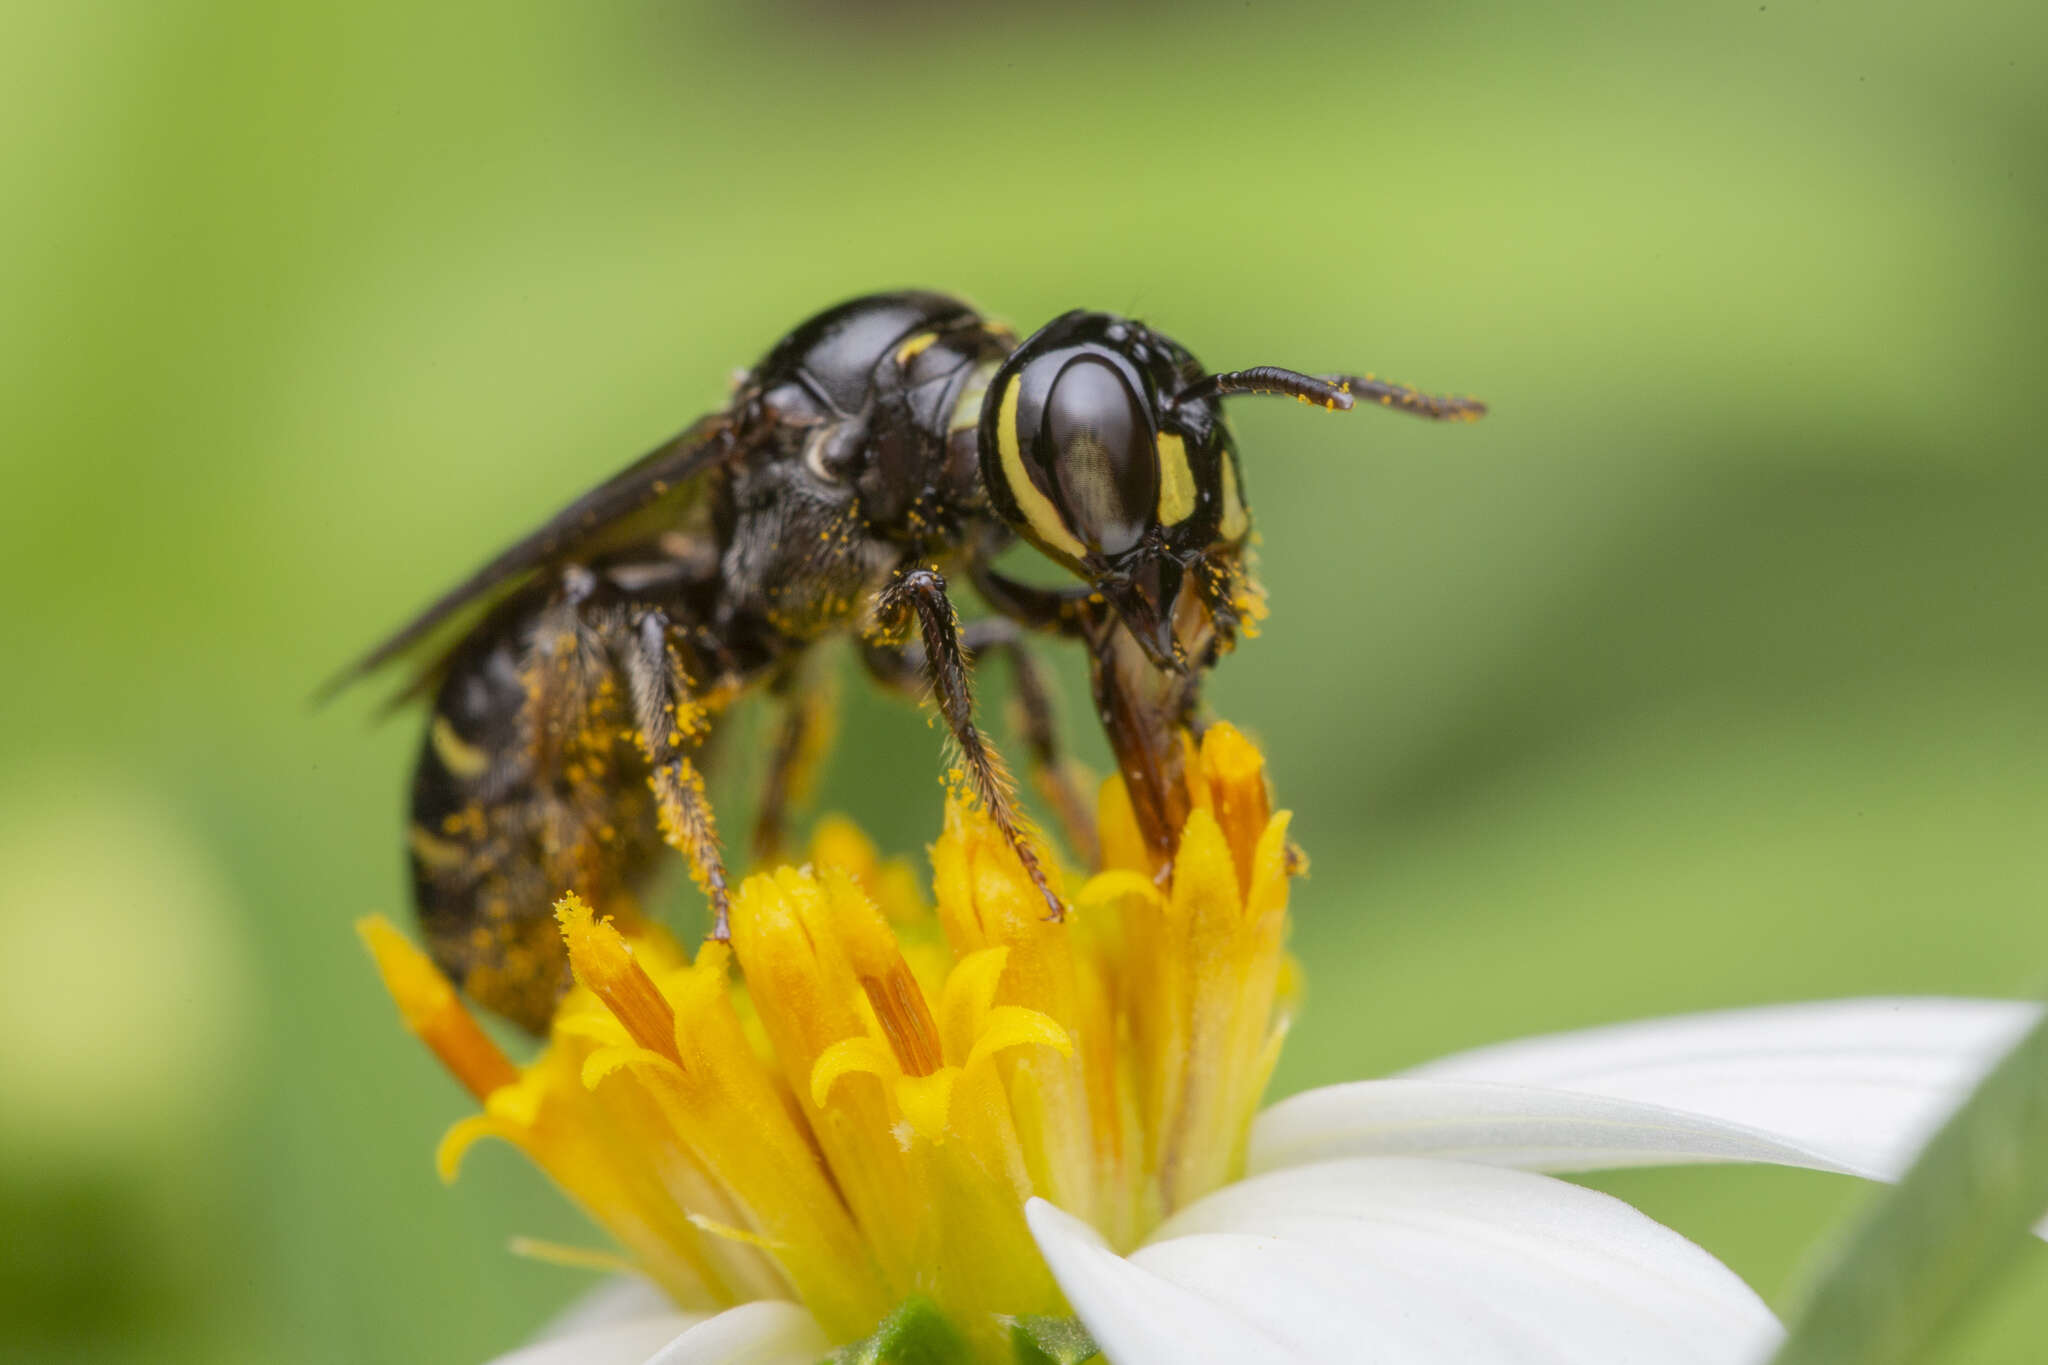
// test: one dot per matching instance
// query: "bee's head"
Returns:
(1099, 447)
(1103, 444)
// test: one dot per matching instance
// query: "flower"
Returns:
(1002, 1118)
(864, 1116)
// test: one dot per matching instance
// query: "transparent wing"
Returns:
(630, 505)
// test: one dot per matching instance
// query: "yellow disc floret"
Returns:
(860, 1115)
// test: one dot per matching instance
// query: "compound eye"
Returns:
(1105, 464)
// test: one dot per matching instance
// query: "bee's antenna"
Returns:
(1269, 379)
(1334, 391)
(1437, 407)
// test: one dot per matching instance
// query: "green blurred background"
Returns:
(1708, 671)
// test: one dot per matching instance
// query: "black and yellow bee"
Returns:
(880, 446)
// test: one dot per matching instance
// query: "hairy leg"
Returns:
(671, 722)
(920, 595)
(807, 707)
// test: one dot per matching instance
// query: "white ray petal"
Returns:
(1396, 1260)
(1526, 1127)
(1139, 1318)
(623, 1298)
(617, 1343)
(1861, 1083)
(767, 1332)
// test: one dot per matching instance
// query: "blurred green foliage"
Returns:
(1920, 1253)
(1708, 671)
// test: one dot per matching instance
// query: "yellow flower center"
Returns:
(862, 1114)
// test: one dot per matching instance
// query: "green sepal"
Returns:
(917, 1333)
(1051, 1341)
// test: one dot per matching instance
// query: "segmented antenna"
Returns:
(1436, 407)
(1269, 379)
(1337, 392)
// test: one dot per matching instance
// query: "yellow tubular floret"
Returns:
(987, 902)
(852, 1102)
(434, 1013)
(603, 963)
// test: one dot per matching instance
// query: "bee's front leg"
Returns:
(1056, 611)
(920, 594)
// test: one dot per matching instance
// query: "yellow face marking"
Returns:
(1234, 522)
(1176, 480)
(911, 349)
(1039, 513)
(461, 758)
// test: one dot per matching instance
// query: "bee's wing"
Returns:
(665, 476)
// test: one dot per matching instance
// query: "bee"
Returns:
(880, 451)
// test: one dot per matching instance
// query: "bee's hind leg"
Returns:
(670, 724)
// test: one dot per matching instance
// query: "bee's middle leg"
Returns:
(808, 704)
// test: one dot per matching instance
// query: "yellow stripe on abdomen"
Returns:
(463, 760)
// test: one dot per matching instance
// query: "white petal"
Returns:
(1525, 1127)
(1860, 1083)
(611, 1327)
(1138, 1318)
(767, 1332)
(1394, 1260)
(623, 1298)
(618, 1343)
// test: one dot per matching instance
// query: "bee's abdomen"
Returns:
(500, 830)
(473, 745)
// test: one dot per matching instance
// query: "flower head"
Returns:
(962, 1113)
(852, 1103)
